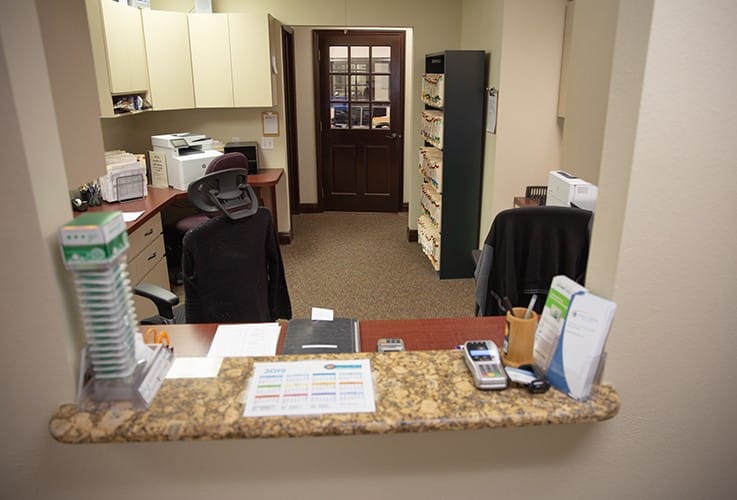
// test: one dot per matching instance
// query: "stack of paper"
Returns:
(125, 178)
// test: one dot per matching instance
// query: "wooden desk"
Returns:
(521, 201)
(158, 198)
(418, 334)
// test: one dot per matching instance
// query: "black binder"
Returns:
(308, 336)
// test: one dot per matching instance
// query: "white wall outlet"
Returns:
(235, 139)
(267, 143)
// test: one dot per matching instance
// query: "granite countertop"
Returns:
(416, 391)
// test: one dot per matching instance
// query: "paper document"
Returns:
(131, 216)
(195, 368)
(322, 314)
(311, 387)
(254, 339)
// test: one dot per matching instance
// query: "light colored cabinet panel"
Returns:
(142, 237)
(169, 62)
(250, 54)
(125, 47)
(211, 64)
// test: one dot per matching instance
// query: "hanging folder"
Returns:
(308, 336)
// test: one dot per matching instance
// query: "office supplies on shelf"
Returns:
(187, 156)
(313, 387)
(321, 336)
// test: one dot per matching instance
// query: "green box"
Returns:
(92, 239)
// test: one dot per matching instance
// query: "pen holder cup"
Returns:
(519, 338)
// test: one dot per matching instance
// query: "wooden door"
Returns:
(361, 118)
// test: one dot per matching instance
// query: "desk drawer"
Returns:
(144, 236)
(142, 264)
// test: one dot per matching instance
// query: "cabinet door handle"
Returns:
(153, 256)
(149, 232)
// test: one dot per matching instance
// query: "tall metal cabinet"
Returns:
(451, 160)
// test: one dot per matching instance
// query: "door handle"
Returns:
(394, 136)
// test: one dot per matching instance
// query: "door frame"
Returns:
(318, 102)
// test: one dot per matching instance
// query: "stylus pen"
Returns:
(530, 306)
(508, 305)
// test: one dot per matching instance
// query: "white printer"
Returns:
(565, 190)
(187, 156)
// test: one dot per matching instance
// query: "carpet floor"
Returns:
(361, 265)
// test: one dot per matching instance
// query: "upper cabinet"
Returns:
(231, 60)
(169, 65)
(174, 60)
(118, 50)
(250, 56)
(211, 67)
(125, 47)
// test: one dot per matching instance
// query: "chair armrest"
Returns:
(162, 298)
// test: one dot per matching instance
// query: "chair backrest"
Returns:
(227, 161)
(525, 248)
(233, 271)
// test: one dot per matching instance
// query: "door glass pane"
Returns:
(360, 88)
(339, 87)
(338, 115)
(359, 59)
(339, 59)
(380, 116)
(381, 57)
(360, 116)
(380, 88)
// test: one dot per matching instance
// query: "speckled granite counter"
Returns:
(416, 391)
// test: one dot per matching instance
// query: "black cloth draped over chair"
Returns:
(525, 248)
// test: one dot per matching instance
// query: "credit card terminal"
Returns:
(485, 364)
(389, 345)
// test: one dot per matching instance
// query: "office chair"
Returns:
(222, 162)
(231, 264)
(525, 248)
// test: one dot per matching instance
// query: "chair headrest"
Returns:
(225, 191)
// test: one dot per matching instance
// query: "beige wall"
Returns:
(674, 282)
(591, 52)
(71, 87)
(525, 41)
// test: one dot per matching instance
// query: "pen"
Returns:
(530, 306)
(508, 305)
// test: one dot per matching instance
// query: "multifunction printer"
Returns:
(566, 190)
(187, 156)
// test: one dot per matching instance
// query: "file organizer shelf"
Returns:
(450, 162)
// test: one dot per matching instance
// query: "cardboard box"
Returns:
(93, 239)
